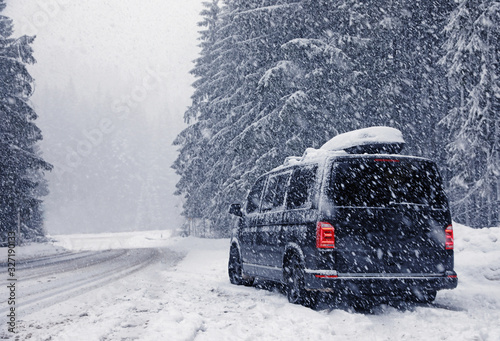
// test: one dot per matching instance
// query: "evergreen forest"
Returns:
(275, 77)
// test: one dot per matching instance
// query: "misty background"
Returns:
(112, 84)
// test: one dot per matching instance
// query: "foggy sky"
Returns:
(108, 66)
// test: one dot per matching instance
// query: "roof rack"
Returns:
(373, 140)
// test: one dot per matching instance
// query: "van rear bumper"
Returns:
(377, 284)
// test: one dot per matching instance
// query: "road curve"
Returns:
(50, 280)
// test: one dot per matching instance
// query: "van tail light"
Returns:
(449, 244)
(325, 235)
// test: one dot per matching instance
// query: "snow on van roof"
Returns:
(362, 137)
(368, 140)
(310, 155)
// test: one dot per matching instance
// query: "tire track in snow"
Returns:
(45, 286)
(46, 266)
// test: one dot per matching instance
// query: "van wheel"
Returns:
(235, 269)
(294, 282)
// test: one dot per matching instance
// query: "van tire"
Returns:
(294, 283)
(235, 269)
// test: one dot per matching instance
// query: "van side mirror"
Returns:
(235, 209)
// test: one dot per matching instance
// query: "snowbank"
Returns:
(109, 241)
(477, 259)
(35, 250)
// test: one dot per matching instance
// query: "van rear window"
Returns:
(382, 183)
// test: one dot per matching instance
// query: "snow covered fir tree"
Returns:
(22, 183)
(472, 58)
(276, 77)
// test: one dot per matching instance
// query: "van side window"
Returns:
(274, 196)
(253, 200)
(301, 187)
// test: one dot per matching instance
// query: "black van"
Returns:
(362, 221)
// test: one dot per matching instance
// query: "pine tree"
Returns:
(209, 86)
(472, 51)
(225, 101)
(399, 83)
(21, 174)
(298, 99)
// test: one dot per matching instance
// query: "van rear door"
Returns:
(390, 216)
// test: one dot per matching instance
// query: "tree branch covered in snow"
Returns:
(472, 49)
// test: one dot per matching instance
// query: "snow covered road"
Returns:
(52, 279)
(184, 294)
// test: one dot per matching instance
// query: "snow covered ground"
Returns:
(187, 296)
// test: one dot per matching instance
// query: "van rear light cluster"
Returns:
(449, 244)
(325, 235)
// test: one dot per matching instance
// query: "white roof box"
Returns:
(373, 140)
